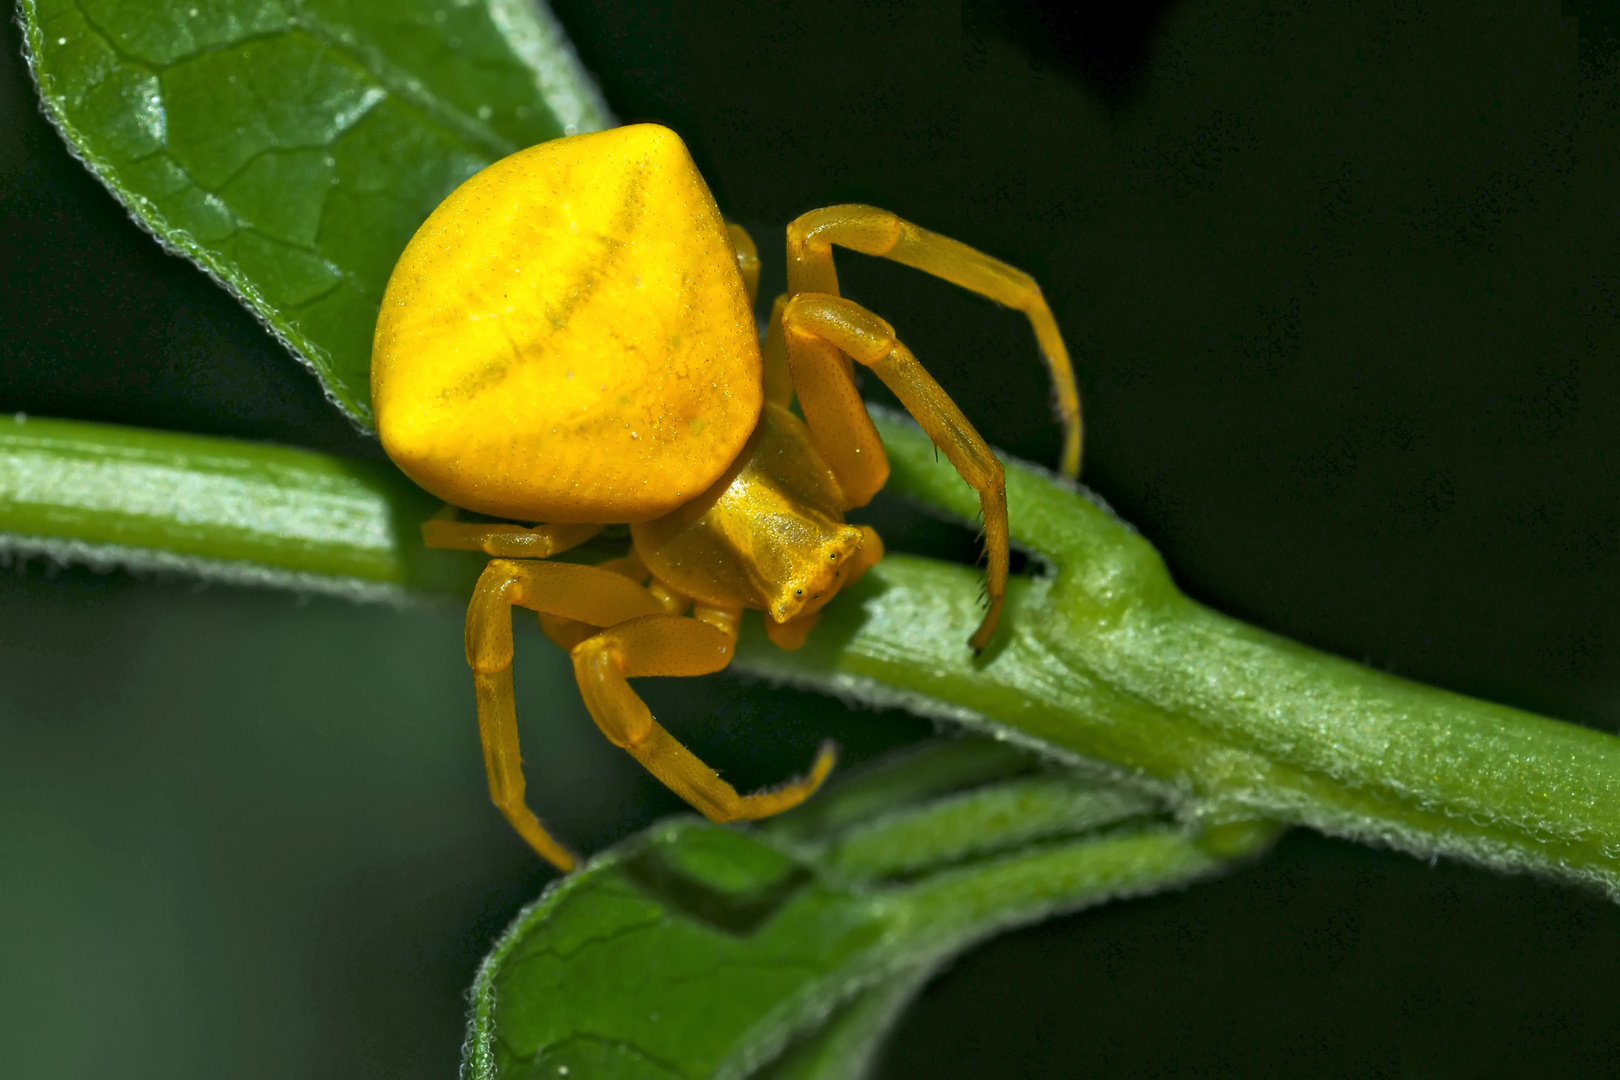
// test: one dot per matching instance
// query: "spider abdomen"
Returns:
(567, 337)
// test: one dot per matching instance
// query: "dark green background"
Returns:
(245, 834)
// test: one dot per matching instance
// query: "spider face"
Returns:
(770, 533)
(569, 339)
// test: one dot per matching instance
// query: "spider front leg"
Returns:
(873, 231)
(819, 330)
(676, 645)
(639, 639)
(747, 259)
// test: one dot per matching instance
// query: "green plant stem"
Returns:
(1101, 658)
(1105, 658)
(217, 510)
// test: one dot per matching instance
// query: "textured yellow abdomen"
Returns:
(567, 337)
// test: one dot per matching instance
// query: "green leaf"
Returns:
(847, 1042)
(291, 147)
(783, 935)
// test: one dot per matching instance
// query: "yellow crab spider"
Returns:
(569, 341)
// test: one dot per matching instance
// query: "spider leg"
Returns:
(583, 594)
(842, 431)
(778, 383)
(872, 231)
(639, 639)
(818, 328)
(675, 645)
(566, 633)
(442, 530)
(747, 259)
(778, 379)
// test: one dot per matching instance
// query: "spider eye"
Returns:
(833, 556)
(798, 592)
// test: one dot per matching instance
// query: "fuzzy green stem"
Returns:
(1105, 658)
(1099, 658)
